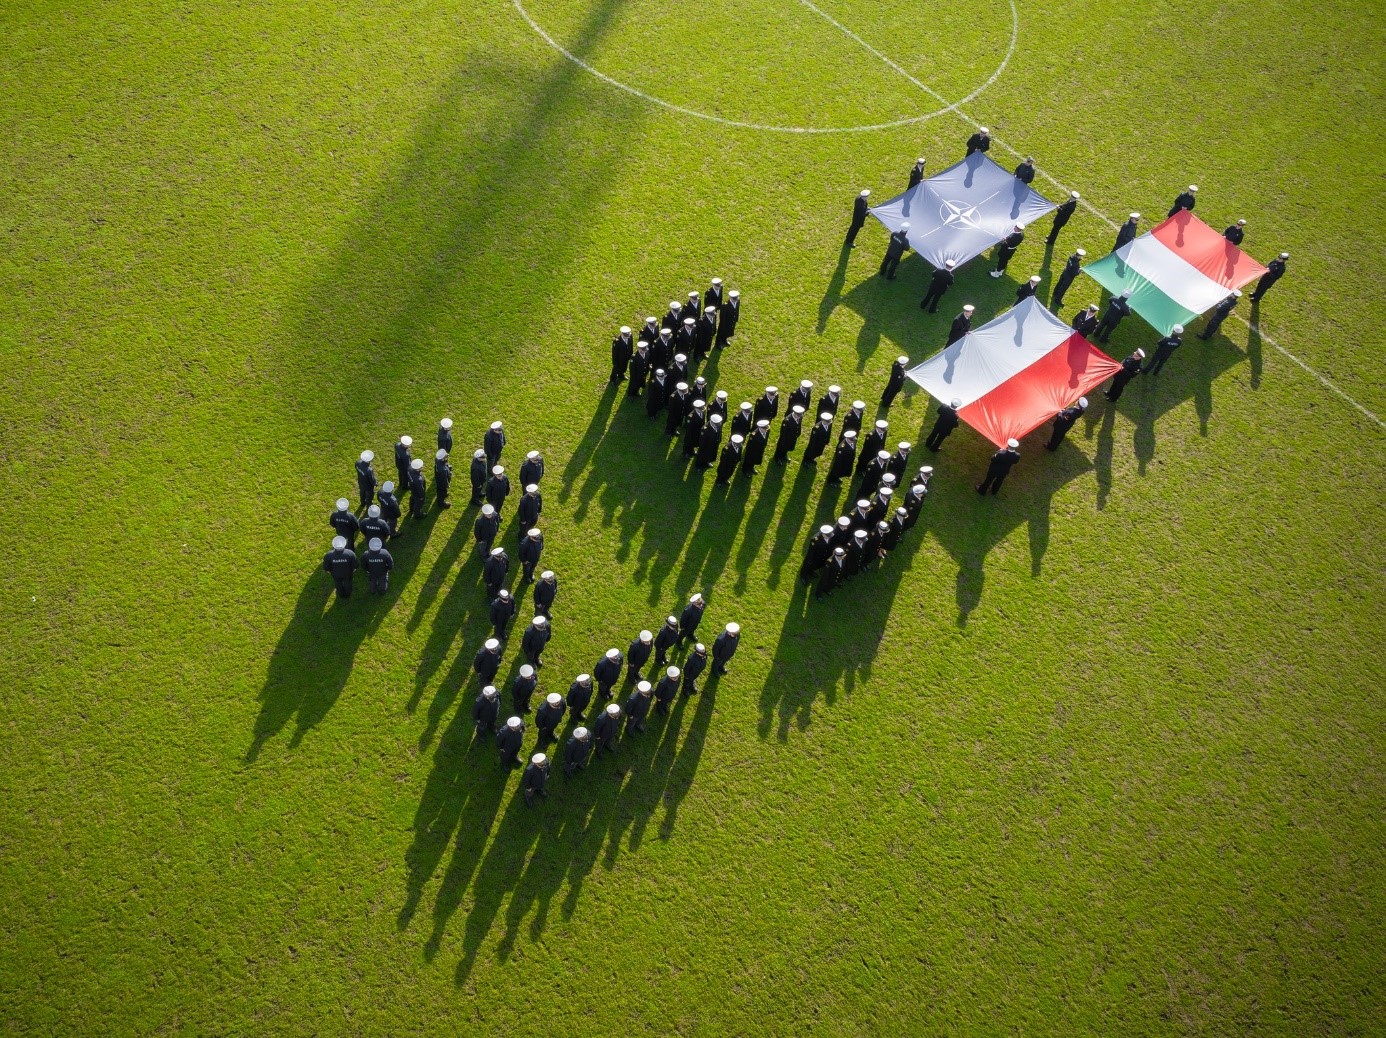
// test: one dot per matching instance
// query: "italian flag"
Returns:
(1175, 272)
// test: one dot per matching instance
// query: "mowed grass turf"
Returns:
(1100, 755)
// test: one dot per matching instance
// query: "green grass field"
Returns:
(1102, 755)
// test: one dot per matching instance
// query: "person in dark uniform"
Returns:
(1071, 270)
(442, 478)
(1085, 321)
(831, 401)
(872, 473)
(549, 716)
(844, 458)
(693, 668)
(856, 554)
(486, 662)
(377, 562)
(418, 490)
(667, 689)
(914, 504)
(713, 296)
(576, 751)
(389, 506)
(1130, 368)
(856, 414)
(494, 571)
(638, 654)
(687, 341)
(1220, 313)
(486, 710)
(1127, 231)
(979, 141)
(724, 647)
(896, 248)
(860, 515)
(819, 437)
(860, 208)
(1117, 308)
(607, 729)
(834, 572)
(693, 428)
(374, 526)
(753, 454)
(677, 409)
(366, 479)
(790, 429)
(649, 333)
(536, 636)
(1026, 290)
(403, 459)
(607, 672)
(509, 740)
(944, 424)
(802, 396)
(890, 540)
(639, 369)
(1164, 349)
(699, 392)
(1275, 270)
(730, 459)
(1025, 172)
(622, 348)
(478, 472)
(940, 281)
(529, 509)
(691, 617)
(1063, 422)
(768, 406)
(874, 442)
(545, 591)
(344, 522)
(503, 609)
(708, 444)
(445, 434)
(842, 532)
(341, 563)
(900, 460)
(916, 173)
(718, 406)
(820, 549)
(531, 548)
(962, 324)
(692, 308)
(532, 469)
(1236, 232)
(1184, 200)
(922, 477)
(485, 528)
(727, 318)
(871, 550)
(1061, 216)
(707, 332)
(522, 688)
(1001, 464)
(638, 707)
(535, 781)
(665, 640)
(1006, 249)
(744, 420)
(497, 488)
(658, 393)
(673, 318)
(896, 381)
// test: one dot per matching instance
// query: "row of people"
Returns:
(863, 537)
(692, 330)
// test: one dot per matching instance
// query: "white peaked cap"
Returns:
(539, 621)
(672, 621)
(797, 409)
(651, 320)
(1284, 255)
(764, 423)
(532, 456)
(699, 403)
(388, 486)
(1092, 306)
(1012, 443)
(955, 403)
(700, 647)
(339, 542)
(489, 692)
(553, 699)
(1140, 354)
(834, 389)
(368, 456)
(849, 434)
(733, 628)
(709, 309)
(919, 161)
(580, 732)
(926, 470)
(659, 372)
(969, 308)
(886, 492)
(696, 597)
(538, 758)
(1125, 293)
(902, 510)
(1193, 187)
(1237, 292)
(840, 552)
(950, 264)
(1034, 279)
(416, 464)
(546, 575)
(904, 445)
(771, 389)
(692, 295)
(1020, 227)
(882, 424)
(843, 521)
(492, 644)
(1135, 216)
(738, 439)
(498, 470)
(408, 441)
(645, 636)
(503, 594)
(534, 532)
(613, 709)
(825, 416)
(902, 359)
(497, 551)
(983, 129)
(805, 384)
(488, 509)
(888, 480)
(689, 320)
(625, 329)
(644, 688)
(514, 722)
(734, 294)
(674, 304)
(376, 544)
(526, 671)
(1073, 194)
(716, 281)
(858, 405)
(721, 394)
(863, 503)
(905, 226)
(883, 455)
(682, 387)
(1240, 223)
(343, 503)
(446, 423)
(825, 528)
(1178, 329)
(1083, 402)
(700, 381)
(612, 654)
(532, 488)
(860, 535)
(666, 332)
(1080, 252)
(672, 672)
(373, 511)
(866, 193)
(441, 454)
(478, 453)
(496, 426)
(716, 419)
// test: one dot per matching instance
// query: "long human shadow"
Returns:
(313, 659)
(1189, 374)
(832, 295)
(792, 518)
(586, 448)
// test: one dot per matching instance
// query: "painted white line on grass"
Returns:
(1323, 380)
(910, 121)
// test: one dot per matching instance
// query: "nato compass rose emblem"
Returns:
(958, 214)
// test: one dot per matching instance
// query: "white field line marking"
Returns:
(1326, 382)
(1015, 33)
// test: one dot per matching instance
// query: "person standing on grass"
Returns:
(532, 469)
(724, 647)
(442, 478)
(486, 710)
(819, 437)
(1085, 321)
(896, 381)
(691, 617)
(484, 529)
(536, 779)
(607, 729)
(366, 479)
(860, 207)
(713, 296)
(844, 458)
(487, 661)
(622, 349)
(940, 281)
(494, 570)
(1127, 232)
(1063, 422)
(1164, 349)
(790, 429)
(658, 394)
(638, 654)
(608, 672)
(896, 248)
(666, 690)
(1025, 172)
(445, 434)
(1184, 200)
(820, 549)
(509, 740)
(579, 695)
(1007, 248)
(727, 318)
(344, 522)
(666, 639)
(418, 490)
(389, 506)
(536, 636)
(374, 526)
(531, 506)
(545, 591)
(1001, 464)
(1130, 368)
(503, 609)
(730, 459)
(753, 454)
(693, 428)
(377, 562)
(639, 369)
(497, 488)
(707, 332)
(522, 688)
(979, 141)
(676, 409)
(873, 444)
(1117, 308)
(962, 324)
(1236, 232)
(576, 751)
(638, 707)
(1220, 313)
(403, 459)
(494, 442)
(478, 472)
(1061, 216)
(549, 716)
(708, 444)
(916, 173)
(341, 563)
(834, 572)
(1275, 270)
(944, 424)
(1026, 290)
(1071, 270)
(693, 667)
